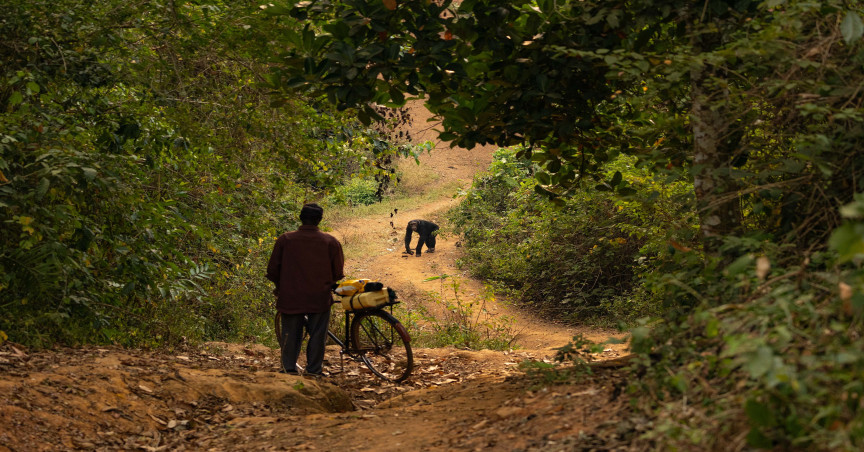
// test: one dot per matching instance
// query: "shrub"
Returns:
(358, 192)
(770, 348)
(462, 322)
(578, 259)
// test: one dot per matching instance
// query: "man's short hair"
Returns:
(311, 214)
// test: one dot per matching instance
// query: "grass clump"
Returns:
(460, 322)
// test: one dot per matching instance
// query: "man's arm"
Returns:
(274, 267)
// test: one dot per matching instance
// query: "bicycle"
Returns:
(376, 338)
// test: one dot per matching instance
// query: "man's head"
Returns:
(413, 225)
(311, 214)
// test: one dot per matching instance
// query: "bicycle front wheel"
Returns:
(383, 344)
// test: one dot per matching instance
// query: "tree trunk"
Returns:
(718, 205)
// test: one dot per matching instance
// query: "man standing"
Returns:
(304, 265)
(427, 231)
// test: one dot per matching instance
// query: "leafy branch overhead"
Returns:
(691, 90)
(486, 69)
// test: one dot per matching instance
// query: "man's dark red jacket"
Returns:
(304, 265)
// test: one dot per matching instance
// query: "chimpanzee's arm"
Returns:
(408, 239)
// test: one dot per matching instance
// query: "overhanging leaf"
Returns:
(759, 363)
(848, 240)
(852, 27)
(740, 265)
(542, 191)
(626, 191)
(275, 10)
(42, 188)
(756, 439)
(15, 98)
(759, 414)
(543, 178)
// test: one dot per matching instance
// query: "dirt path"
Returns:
(229, 396)
(382, 255)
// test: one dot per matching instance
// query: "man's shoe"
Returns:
(316, 375)
(289, 372)
(430, 250)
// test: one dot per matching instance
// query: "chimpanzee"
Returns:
(427, 231)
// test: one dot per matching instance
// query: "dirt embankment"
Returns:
(230, 397)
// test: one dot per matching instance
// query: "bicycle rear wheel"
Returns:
(383, 344)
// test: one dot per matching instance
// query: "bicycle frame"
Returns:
(336, 339)
(347, 347)
(349, 316)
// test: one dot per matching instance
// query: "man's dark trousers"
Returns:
(316, 325)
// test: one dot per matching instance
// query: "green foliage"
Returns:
(578, 259)
(144, 173)
(579, 351)
(358, 192)
(773, 341)
(852, 27)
